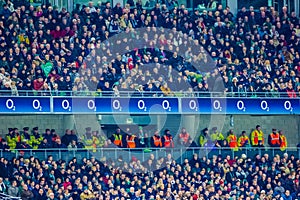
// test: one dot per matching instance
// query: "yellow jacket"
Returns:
(257, 136)
(283, 143)
(217, 136)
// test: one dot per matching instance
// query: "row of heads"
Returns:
(27, 129)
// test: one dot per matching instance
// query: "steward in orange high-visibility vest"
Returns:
(257, 137)
(232, 141)
(184, 137)
(274, 138)
(243, 140)
(167, 140)
(131, 141)
(156, 140)
(116, 138)
(283, 141)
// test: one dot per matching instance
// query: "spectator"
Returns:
(67, 137)
(3, 187)
(72, 146)
(26, 193)
(13, 190)
(59, 145)
(48, 135)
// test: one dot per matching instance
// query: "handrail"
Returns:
(179, 153)
(146, 94)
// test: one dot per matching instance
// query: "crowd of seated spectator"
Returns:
(92, 139)
(160, 178)
(48, 50)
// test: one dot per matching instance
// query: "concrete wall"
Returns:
(193, 124)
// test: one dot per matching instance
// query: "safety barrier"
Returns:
(142, 154)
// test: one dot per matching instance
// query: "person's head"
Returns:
(258, 127)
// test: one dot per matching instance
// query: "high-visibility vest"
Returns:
(168, 142)
(217, 136)
(157, 141)
(242, 140)
(118, 139)
(257, 136)
(130, 141)
(283, 144)
(185, 137)
(275, 139)
(232, 141)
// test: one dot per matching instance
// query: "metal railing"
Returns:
(144, 94)
(143, 154)
(8, 197)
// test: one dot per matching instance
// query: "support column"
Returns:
(191, 124)
(233, 5)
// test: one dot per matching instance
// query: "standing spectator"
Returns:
(274, 138)
(48, 135)
(67, 137)
(3, 146)
(74, 135)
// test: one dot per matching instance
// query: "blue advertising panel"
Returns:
(115, 105)
(252, 106)
(25, 105)
(135, 105)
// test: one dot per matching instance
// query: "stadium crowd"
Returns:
(166, 49)
(163, 178)
(94, 139)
